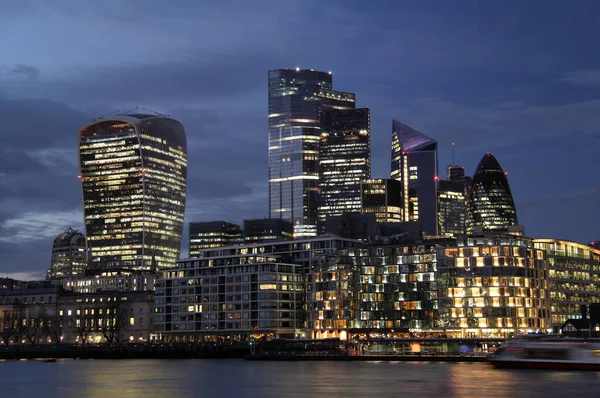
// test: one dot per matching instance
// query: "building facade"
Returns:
(452, 207)
(296, 99)
(42, 313)
(133, 171)
(492, 286)
(414, 164)
(490, 205)
(344, 160)
(373, 291)
(229, 297)
(110, 280)
(209, 234)
(382, 197)
(69, 255)
(267, 230)
(573, 278)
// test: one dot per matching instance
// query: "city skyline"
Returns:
(518, 105)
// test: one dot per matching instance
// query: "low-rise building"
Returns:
(573, 278)
(492, 286)
(124, 280)
(235, 297)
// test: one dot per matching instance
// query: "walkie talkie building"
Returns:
(133, 171)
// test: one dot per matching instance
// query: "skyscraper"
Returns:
(490, 204)
(382, 197)
(296, 99)
(133, 171)
(344, 159)
(451, 208)
(414, 164)
(69, 255)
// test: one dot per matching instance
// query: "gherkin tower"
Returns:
(490, 204)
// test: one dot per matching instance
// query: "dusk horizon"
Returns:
(509, 79)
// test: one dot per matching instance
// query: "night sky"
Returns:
(520, 79)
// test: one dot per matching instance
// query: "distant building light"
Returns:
(297, 69)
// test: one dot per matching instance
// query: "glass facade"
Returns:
(267, 229)
(490, 205)
(451, 208)
(205, 235)
(69, 255)
(133, 170)
(378, 290)
(414, 164)
(573, 275)
(344, 159)
(493, 286)
(296, 99)
(382, 197)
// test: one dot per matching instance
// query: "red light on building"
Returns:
(80, 176)
(506, 173)
(436, 178)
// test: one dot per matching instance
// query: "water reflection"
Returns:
(236, 378)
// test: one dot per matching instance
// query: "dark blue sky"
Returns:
(520, 79)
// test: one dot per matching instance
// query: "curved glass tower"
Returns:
(490, 204)
(133, 171)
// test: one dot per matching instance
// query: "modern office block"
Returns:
(414, 164)
(209, 234)
(69, 255)
(344, 160)
(490, 204)
(133, 171)
(382, 197)
(296, 99)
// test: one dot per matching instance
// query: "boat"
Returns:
(547, 353)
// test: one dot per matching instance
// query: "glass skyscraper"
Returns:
(296, 99)
(210, 234)
(490, 205)
(451, 208)
(382, 197)
(414, 164)
(133, 171)
(344, 159)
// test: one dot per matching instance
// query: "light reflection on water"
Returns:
(237, 378)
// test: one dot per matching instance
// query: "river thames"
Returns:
(237, 378)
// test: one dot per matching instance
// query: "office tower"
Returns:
(456, 173)
(133, 171)
(344, 159)
(451, 208)
(210, 234)
(414, 164)
(267, 229)
(490, 204)
(382, 197)
(296, 99)
(69, 255)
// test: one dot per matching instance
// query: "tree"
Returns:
(112, 322)
(87, 324)
(9, 325)
(53, 326)
(33, 324)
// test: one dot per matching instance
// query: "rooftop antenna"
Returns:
(131, 110)
(453, 164)
(104, 116)
(156, 113)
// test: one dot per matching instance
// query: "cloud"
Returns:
(588, 77)
(19, 71)
(30, 226)
(563, 198)
(24, 275)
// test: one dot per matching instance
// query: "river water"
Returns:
(237, 378)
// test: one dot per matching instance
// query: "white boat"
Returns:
(548, 353)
